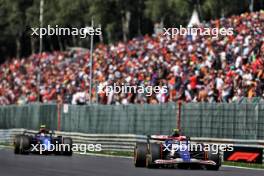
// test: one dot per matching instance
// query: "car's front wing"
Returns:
(180, 160)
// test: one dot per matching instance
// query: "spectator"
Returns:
(222, 69)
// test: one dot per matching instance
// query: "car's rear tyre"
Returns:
(17, 148)
(216, 157)
(154, 154)
(21, 144)
(68, 146)
(140, 152)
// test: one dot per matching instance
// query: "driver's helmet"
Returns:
(42, 129)
(175, 132)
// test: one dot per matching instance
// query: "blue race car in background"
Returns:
(171, 151)
(43, 142)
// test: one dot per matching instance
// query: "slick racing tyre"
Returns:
(21, 144)
(68, 146)
(140, 152)
(216, 157)
(154, 154)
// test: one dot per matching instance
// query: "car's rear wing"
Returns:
(32, 132)
(166, 137)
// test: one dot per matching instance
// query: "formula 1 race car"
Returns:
(43, 142)
(169, 151)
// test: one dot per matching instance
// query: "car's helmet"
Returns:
(175, 132)
(42, 129)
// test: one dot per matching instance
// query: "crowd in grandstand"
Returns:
(195, 69)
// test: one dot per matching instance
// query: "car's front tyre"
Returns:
(216, 157)
(67, 142)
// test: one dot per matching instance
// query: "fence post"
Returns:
(59, 116)
(179, 115)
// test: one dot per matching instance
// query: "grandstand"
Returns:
(197, 69)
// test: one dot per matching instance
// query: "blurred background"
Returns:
(131, 50)
(119, 19)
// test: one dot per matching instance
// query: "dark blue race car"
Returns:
(171, 151)
(43, 142)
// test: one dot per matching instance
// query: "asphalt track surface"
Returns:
(82, 165)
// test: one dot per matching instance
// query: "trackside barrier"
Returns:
(212, 120)
(120, 142)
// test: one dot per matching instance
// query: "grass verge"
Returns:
(113, 153)
(5, 145)
(247, 165)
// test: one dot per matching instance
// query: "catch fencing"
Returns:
(106, 119)
(211, 120)
(223, 120)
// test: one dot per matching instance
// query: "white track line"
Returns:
(239, 167)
